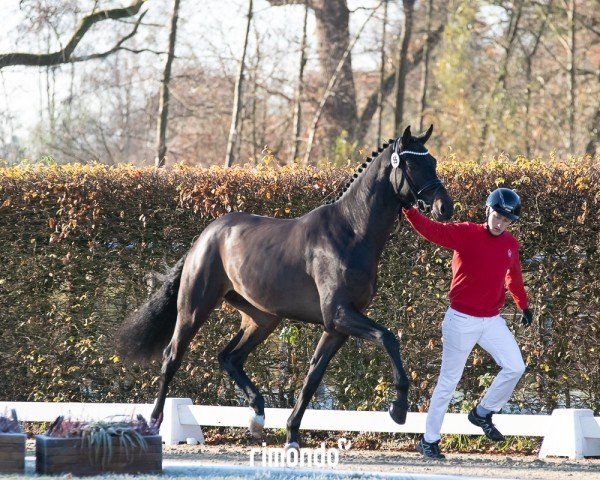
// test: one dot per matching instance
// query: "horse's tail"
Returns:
(147, 331)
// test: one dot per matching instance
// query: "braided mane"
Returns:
(360, 169)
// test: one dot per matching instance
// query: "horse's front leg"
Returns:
(347, 320)
(328, 345)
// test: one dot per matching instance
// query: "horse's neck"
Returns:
(370, 205)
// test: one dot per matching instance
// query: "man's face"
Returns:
(497, 223)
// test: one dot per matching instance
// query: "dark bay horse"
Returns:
(320, 268)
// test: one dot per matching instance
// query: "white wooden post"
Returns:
(573, 433)
(172, 430)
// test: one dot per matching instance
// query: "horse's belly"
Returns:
(287, 296)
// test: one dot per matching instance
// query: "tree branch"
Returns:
(118, 45)
(64, 55)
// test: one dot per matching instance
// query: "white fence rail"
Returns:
(573, 433)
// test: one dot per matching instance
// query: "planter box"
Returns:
(12, 452)
(66, 455)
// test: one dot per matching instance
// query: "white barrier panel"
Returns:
(352, 421)
(573, 433)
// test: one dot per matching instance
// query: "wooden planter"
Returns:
(66, 455)
(12, 452)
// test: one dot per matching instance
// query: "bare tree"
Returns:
(500, 83)
(370, 108)
(571, 60)
(237, 101)
(529, 55)
(381, 72)
(299, 89)
(163, 105)
(401, 67)
(425, 68)
(333, 37)
(65, 55)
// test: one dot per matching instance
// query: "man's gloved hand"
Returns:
(526, 317)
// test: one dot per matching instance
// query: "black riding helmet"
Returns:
(506, 202)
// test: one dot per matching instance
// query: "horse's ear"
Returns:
(425, 136)
(406, 136)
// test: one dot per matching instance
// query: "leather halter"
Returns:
(415, 192)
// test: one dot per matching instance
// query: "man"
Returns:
(485, 262)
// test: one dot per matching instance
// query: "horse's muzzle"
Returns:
(442, 207)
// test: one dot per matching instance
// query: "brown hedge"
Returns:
(80, 245)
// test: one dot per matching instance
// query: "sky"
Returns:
(210, 32)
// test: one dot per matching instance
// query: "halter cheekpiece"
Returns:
(396, 161)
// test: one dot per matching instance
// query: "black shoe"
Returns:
(486, 424)
(430, 450)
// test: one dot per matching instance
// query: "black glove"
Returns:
(526, 317)
(406, 205)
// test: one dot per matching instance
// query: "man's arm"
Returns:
(448, 235)
(514, 282)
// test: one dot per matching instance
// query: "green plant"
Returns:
(97, 436)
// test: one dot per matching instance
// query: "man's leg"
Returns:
(460, 333)
(500, 343)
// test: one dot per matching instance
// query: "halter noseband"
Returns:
(398, 161)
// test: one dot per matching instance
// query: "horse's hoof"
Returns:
(292, 446)
(257, 425)
(398, 411)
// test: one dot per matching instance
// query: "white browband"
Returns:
(426, 152)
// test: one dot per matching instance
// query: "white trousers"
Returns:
(460, 333)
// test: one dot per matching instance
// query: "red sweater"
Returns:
(483, 265)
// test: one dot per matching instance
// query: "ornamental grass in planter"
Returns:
(12, 445)
(90, 448)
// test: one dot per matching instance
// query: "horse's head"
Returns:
(414, 176)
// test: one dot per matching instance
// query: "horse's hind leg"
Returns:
(255, 328)
(199, 299)
(185, 330)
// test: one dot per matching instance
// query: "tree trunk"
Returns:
(297, 124)
(528, 77)
(330, 89)
(425, 70)
(572, 80)
(253, 112)
(333, 37)
(381, 73)
(401, 68)
(163, 104)
(237, 100)
(594, 143)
